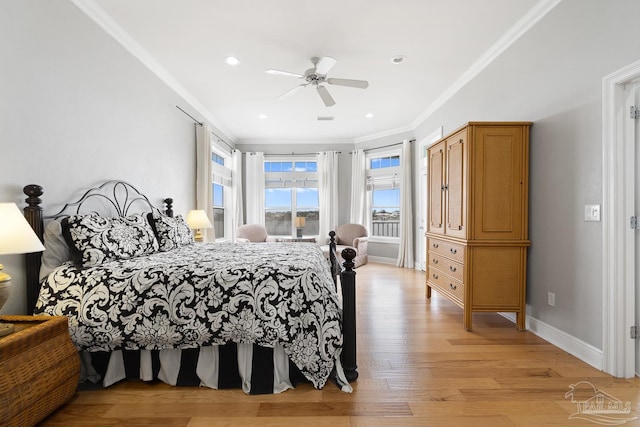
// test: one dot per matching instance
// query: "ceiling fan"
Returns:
(316, 76)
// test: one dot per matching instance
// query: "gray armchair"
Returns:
(352, 236)
(253, 233)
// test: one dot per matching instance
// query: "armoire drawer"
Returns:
(446, 249)
(446, 265)
(446, 284)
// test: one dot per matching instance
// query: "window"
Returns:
(221, 190)
(383, 194)
(291, 191)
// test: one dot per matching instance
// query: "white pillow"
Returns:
(56, 249)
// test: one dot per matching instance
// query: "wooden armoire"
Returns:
(477, 228)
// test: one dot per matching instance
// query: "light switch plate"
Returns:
(592, 212)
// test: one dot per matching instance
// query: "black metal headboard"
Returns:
(112, 198)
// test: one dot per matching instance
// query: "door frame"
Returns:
(618, 296)
(423, 169)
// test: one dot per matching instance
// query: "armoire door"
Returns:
(436, 188)
(455, 191)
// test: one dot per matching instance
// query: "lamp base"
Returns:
(6, 329)
(299, 232)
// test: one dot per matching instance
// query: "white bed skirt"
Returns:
(169, 365)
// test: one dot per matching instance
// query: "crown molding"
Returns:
(383, 134)
(100, 17)
(523, 25)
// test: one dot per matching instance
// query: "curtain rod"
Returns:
(224, 142)
(191, 117)
(288, 154)
(202, 124)
(383, 146)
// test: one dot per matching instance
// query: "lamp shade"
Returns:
(197, 219)
(299, 222)
(16, 235)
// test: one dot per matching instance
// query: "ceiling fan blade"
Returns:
(292, 91)
(362, 84)
(325, 65)
(326, 97)
(284, 73)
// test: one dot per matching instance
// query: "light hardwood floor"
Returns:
(417, 365)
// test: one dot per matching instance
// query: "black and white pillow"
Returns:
(171, 232)
(94, 239)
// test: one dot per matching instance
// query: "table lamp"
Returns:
(197, 220)
(16, 237)
(299, 224)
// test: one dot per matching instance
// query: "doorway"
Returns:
(632, 136)
(620, 195)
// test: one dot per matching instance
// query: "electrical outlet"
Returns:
(551, 299)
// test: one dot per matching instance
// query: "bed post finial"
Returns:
(169, 206)
(33, 215)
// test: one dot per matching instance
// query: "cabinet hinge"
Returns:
(635, 332)
(634, 223)
(635, 112)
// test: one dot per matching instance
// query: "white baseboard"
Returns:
(382, 260)
(572, 345)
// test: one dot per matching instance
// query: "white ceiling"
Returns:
(186, 42)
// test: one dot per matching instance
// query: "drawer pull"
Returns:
(435, 261)
(452, 268)
(453, 287)
(435, 276)
(435, 245)
(453, 251)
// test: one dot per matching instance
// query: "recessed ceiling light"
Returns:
(263, 116)
(232, 60)
(398, 59)
(368, 115)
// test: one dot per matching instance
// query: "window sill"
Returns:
(387, 240)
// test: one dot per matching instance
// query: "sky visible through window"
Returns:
(390, 197)
(280, 198)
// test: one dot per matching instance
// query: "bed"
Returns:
(146, 302)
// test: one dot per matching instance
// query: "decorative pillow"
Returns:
(94, 239)
(56, 249)
(171, 232)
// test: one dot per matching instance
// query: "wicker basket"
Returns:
(39, 369)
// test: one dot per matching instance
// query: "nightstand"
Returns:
(39, 369)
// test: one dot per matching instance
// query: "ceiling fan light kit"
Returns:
(317, 76)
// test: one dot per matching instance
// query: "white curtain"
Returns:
(236, 193)
(358, 188)
(405, 251)
(204, 176)
(255, 188)
(327, 193)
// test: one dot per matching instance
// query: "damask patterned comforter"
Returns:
(205, 294)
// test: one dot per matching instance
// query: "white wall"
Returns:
(77, 109)
(553, 77)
